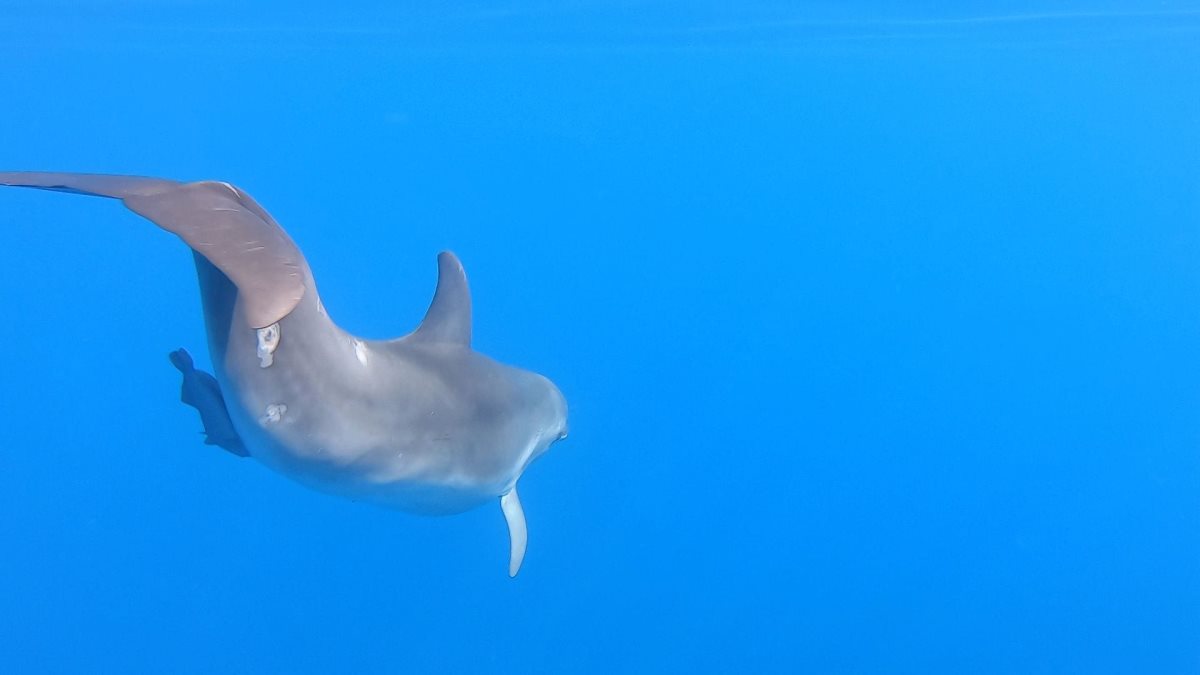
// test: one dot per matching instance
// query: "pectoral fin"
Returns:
(201, 391)
(517, 535)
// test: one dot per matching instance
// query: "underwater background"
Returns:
(880, 329)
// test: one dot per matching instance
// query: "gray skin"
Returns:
(422, 423)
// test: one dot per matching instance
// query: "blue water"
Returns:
(879, 328)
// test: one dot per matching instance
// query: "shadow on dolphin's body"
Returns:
(421, 423)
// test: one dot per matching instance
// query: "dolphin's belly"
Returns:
(348, 456)
(423, 429)
(366, 477)
(349, 438)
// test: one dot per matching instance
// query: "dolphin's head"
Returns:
(542, 418)
(540, 421)
(551, 414)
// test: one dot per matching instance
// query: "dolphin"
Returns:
(422, 423)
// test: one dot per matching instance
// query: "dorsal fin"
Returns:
(449, 317)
